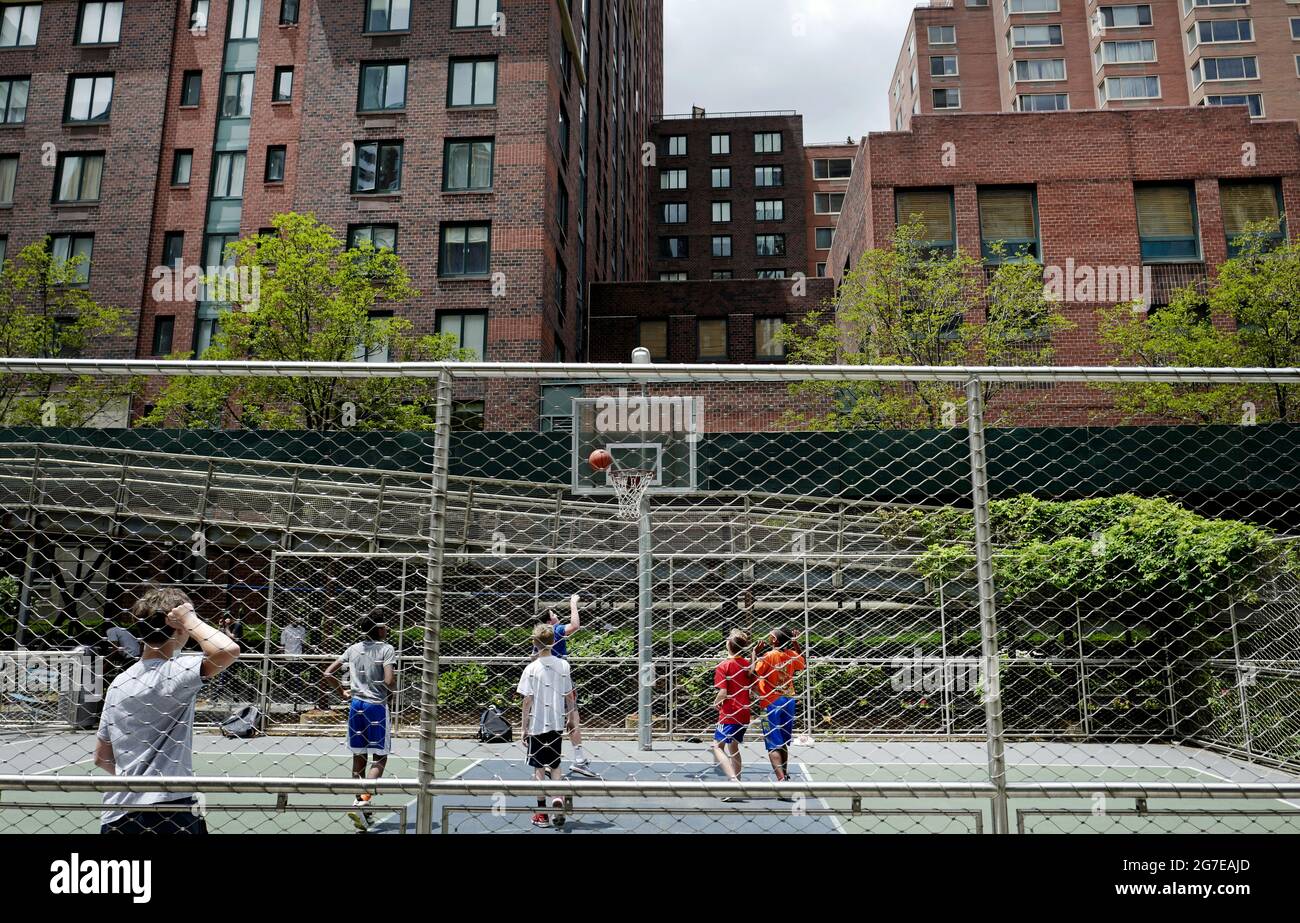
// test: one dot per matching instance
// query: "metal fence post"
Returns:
(979, 476)
(433, 605)
(1241, 677)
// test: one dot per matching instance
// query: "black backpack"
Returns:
(245, 721)
(493, 728)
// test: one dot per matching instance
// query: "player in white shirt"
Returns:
(549, 699)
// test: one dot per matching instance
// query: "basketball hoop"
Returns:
(630, 486)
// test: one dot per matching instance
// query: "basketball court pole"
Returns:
(645, 638)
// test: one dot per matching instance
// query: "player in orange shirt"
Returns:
(776, 671)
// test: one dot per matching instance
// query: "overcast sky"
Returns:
(831, 60)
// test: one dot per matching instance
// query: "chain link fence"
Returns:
(1033, 612)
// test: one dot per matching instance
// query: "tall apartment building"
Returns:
(830, 167)
(485, 141)
(729, 197)
(1047, 55)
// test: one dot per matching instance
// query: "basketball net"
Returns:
(630, 486)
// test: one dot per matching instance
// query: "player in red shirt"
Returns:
(732, 679)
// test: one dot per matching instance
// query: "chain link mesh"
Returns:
(937, 625)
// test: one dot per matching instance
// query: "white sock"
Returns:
(578, 755)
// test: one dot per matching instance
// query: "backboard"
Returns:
(658, 434)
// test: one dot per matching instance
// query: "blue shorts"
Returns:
(778, 723)
(368, 728)
(730, 734)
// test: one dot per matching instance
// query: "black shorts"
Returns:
(183, 821)
(544, 750)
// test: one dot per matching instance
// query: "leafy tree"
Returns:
(46, 312)
(1248, 317)
(304, 296)
(907, 304)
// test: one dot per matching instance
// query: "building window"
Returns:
(1130, 88)
(767, 338)
(942, 35)
(1244, 204)
(1008, 217)
(288, 12)
(653, 335)
(769, 244)
(99, 23)
(767, 142)
(1126, 17)
(1220, 32)
(1042, 102)
(672, 277)
(821, 270)
(771, 274)
(943, 65)
(467, 164)
(8, 178)
(712, 336)
(199, 16)
(1136, 52)
(1252, 101)
(237, 96)
(473, 14)
(720, 178)
(720, 144)
(182, 162)
(76, 249)
(276, 155)
(1031, 6)
(672, 179)
(191, 88)
(825, 238)
(383, 87)
(675, 146)
(466, 249)
(1167, 223)
(473, 83)
(828, 203)
(834, 168)
(78, 177)
(378, 169)
(228, 174)
(765, 177)
(674, 212)
(674, 248)
(1034, 36)
(469, 329)
(1295, 28)
(469, 416)
(283, 89)
(207, 326)
(1210, 69)
(379, 236)
(769, 210)
(721, 212)
(946, 98)
(173, 248)
(722, 246)
(388, 15)
(375, 347)
(163, 327)
(562, 207)
(13, 99)
(89, 99)
(1039, 69)
(721, 275)
(933, 207)
(19, 25)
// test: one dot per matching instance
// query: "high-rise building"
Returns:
(830, 167)
(1047, 55)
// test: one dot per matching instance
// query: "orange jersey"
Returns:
(776, 672)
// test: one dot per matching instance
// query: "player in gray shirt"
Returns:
(147, 726)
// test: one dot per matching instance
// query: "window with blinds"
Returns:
(1249, 203)
(713, 338)
(933, 208)
(654, 337)
(1008, 217)
(767, 342)
(1166, 217)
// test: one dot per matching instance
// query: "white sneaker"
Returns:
(360, 819)
(583, 768)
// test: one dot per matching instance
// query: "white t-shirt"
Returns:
(292, 638)
(547, 681)
(149, 719)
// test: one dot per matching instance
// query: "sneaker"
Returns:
(557, 805)
(734, 799)
(583, 768)
(361, 819)
(541, 820)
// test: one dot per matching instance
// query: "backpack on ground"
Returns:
(493, 728)
(245, 721)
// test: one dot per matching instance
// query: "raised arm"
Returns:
(219, 649)
(574, 622)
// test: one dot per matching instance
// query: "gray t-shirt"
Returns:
(149, 719)
(122, 638)
(366, 659)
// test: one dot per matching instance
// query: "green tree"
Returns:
(1255, 298)
(304, 296)
(46, 312)
(907, 304)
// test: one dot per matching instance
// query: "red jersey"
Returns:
(732, 677)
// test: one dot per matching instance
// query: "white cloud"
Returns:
(831, 60)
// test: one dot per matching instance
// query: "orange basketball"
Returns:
(601, 459)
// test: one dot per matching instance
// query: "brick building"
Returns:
(830, 166)
(1048, 55)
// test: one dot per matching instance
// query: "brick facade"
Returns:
(831, 185)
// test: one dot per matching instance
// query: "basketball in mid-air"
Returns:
(601, 459)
